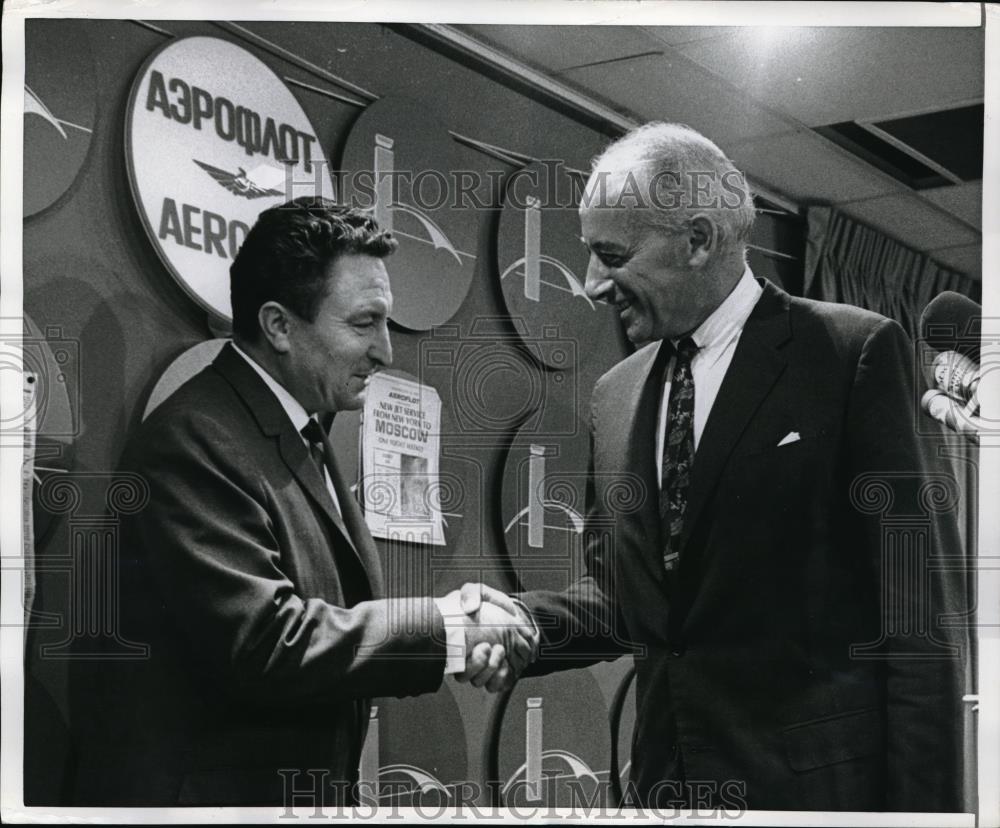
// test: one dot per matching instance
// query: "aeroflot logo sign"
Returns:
(193, 105)
(213, 139)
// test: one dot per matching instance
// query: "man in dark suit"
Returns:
(250, 573)
(787, 654)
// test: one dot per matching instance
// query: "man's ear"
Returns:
(275, 322)
(703, 239)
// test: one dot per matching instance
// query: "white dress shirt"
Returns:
(716, 339)
(450, 608)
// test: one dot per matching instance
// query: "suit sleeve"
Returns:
(921, 657)
(205, 549)
(582, 625)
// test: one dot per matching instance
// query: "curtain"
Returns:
(849, 262)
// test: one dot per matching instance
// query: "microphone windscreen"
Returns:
(953, 414)
(956, 374)
(953, 322)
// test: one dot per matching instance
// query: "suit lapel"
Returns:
(638, 445)
(274, 422)
(755, 368)
(356, 527)
(300, 463)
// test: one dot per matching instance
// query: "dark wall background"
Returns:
(90, 271)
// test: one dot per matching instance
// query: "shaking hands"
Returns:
(501, 638)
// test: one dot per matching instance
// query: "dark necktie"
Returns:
(678, 452)
(322, 455)
(321, 451)
(313, 432)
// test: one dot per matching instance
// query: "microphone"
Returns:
(946, 410)
(953, 322)
(957, 375)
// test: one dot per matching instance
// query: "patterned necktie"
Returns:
(678, 452)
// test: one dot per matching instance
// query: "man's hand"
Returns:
(500, 640)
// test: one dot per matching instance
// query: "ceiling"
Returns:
(759, 92)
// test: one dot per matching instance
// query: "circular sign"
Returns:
(193, 361)
(554, 745)
(543, 499)
(402, 163)
(59, 109)
(213, 138)
(414, 771)
(543, 266)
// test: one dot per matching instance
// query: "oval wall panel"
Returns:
(213, 138)
(543, 268)
(399, 160)
(60, 109)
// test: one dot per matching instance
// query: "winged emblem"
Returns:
(576, 766)
(33, 106)
(241, 183)
(573, 286)
(424, 781)
(435, 234)
(575, 518)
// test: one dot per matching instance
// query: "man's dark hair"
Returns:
(286, 253)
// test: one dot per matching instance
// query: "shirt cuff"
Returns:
(450, 607)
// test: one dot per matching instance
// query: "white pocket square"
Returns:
(791, 437)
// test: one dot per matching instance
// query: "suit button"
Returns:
(677, 652)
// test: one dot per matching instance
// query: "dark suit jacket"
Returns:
(267, 628)
(745, 676)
